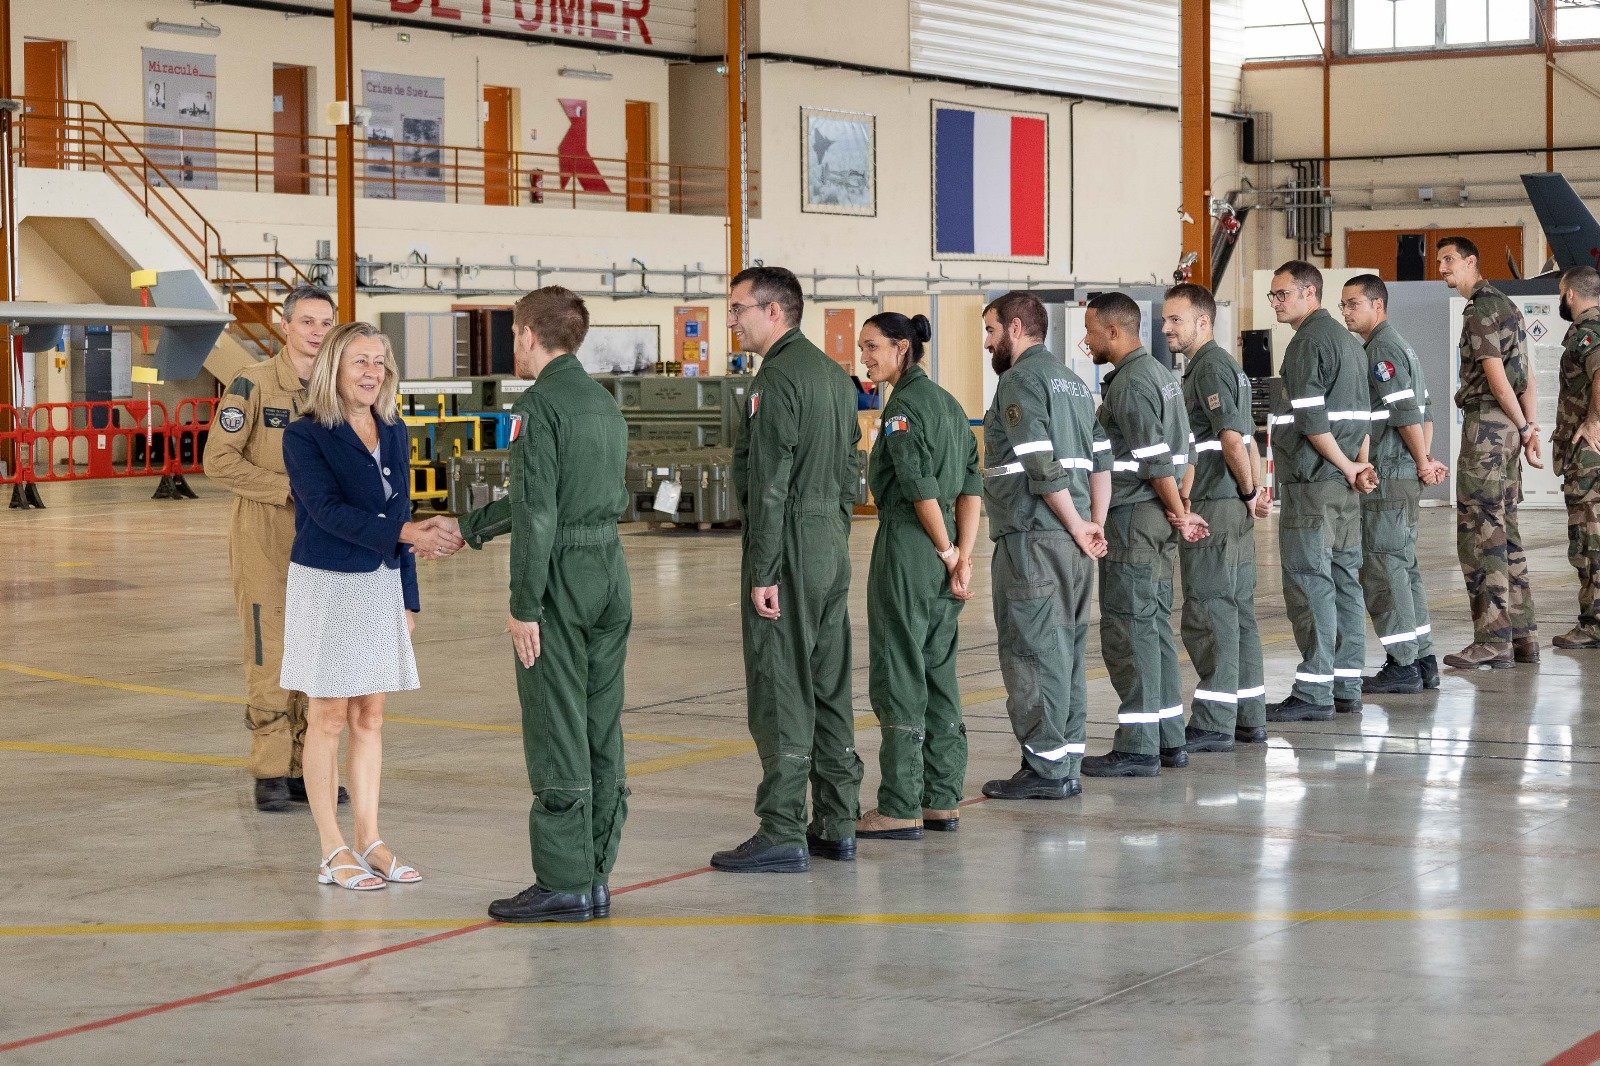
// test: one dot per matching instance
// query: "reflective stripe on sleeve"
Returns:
(1396, 397)
(999, 471)
(1102, 445)
(1208, 446)
(1033, 446)
(1309, 401)
(1280, 420)
(1152, 450)
(1121, 466)
(1351, 416)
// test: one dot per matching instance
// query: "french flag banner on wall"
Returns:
(991, 184)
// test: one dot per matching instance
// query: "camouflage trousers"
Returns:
(1488, 542)
(1581, 487)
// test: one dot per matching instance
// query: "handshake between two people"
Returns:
(438, 537)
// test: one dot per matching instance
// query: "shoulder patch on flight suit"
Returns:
(242, 386)
(275, 417)
(1383, 370)
(755, 403)
(516, 428)
(231, 419)
(1214, 401)
(897, 424)
(1588, 339)
(1014, 414)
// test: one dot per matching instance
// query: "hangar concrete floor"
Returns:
(1414, 884)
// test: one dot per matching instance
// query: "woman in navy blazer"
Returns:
(352, 592)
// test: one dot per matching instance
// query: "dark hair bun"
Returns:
(922, 328)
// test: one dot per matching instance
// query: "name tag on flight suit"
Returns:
(275, 417)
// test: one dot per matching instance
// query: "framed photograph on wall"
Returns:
(838, 162)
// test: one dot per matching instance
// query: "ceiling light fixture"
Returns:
(578, 72)
(205, 29)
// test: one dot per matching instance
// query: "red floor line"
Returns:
(1582, 1053)
(304, 971)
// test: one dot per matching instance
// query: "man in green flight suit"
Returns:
(1401, 436)
(1046, 488)
(1576, 447)
(795, 472)
(1497, 398)
(1320, 414)
(1219, 572)
(571, 609)
(1142, 413)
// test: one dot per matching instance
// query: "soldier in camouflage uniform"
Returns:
(1576, 447)
(1497, 400)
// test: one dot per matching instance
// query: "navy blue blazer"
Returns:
(341, 520)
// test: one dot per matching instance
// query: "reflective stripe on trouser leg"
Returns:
(1213, 611)
(1306, 552)
(572, 720)
(1387, 537)
(911, 630)
(1136, 628)
(1041, 584)
(797, 680)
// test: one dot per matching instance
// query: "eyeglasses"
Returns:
(735, 310)
(1354, 304)
(1277, 296)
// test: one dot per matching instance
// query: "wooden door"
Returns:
(499, 172)
(961, 354)
(290, 125)
(641, 153)
(1393, 252)
(44, 83)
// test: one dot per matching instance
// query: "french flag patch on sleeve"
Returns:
(897, 424)
(516, 428)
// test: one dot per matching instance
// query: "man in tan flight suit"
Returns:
(244, 451)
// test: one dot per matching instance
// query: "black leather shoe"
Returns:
(601, 895)
(837, 850)
(760, 855)
(1295, 709)
(1350, 706)
(1027, 784)
(1428, 667)
(297, 791)
(1175, 758)
(535, 904)
(272, 794)
(1394, 679)
(1251, 734)
(1120, 764)
(1198, 740)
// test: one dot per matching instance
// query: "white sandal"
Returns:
(397, 870)
(329, 875)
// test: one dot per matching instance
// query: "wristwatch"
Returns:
(1250, 496)
(952, 552)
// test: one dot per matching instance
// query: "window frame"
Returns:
(1346, 24)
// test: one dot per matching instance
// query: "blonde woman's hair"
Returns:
(322, 401)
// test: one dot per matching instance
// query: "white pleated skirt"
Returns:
(345, 634)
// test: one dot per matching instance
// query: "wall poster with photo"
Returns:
(403, 136)
(620, 349)
(838, 162)
(180, 111)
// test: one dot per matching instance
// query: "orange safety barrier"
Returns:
(13, 450)
(108, 439)
(192, 420)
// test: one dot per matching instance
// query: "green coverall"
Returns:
(1390, 577)
(1324, 390)
(925, 451)
(1219, 572)
(568, 452)
(1039, 437)
(795, 470)
(1141, 410)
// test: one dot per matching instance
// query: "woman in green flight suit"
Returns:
(928, 489)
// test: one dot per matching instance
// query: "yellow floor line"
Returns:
(119, 686)
(136, 754)
(716, 921)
